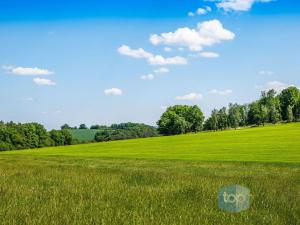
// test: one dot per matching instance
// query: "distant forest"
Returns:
(179, 119)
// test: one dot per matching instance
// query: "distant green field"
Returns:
(163, 180)
(83, 134)
(278, 143)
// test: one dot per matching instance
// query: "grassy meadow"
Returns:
(163, 180)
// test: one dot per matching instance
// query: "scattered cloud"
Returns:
(207, 33)
(208, 9)
(160, 60)
(43, 81)
(220, 92)
(200, 11)
(266, 72)
(135, 53)
(209, 54)
(276, 85)
(167, 49)
(113, 91)
(152, 59)
(191, 14)
(190, 97)
(147, 77)
(162, 70)
(27, 71)
(238, 5)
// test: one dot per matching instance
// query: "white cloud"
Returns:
(135, 53)
(147, 77)
(191, 14)
(190, 97)
(27, 71)
(167, 49)
(201, 11)
(238, 5)
(160, 60)
(208, 9)
(152, 59)
(162, 70)
(43, 81)
(209, 54)
(207, 33)
(266, 72)
(113, 91)
(220, 92)
(276, 85)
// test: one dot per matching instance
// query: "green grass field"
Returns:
(83, 134)
(163, 180)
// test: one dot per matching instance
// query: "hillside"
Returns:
(275, 143)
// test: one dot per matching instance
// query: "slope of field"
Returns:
(83, 134)
(278, 143)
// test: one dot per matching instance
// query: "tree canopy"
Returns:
(180, 119)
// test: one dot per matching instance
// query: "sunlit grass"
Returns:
(165, 180)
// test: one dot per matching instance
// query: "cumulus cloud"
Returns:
(43, 81)
(152, 59)
(113, 91)
(221, 92)
(190, 97)
(238, 5)
(27, 71)
(135, 53)
(209, 54)
(162, 70)
(147, 77)
(207, 33)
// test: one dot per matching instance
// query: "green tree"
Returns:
(222, 119)
(254, 114)
(65, 126)
(289, 113)
(297, 111)
(82, 126)
(264, 112)
(274, 115)
(180, 119)
(288, 97)
(234, 115)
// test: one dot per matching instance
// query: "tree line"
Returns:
(269, 108)
(15, 136)
(179, 119)
(124, 131)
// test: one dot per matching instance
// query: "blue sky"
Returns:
(116, 61)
